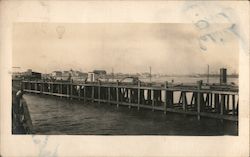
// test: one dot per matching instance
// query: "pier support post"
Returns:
(58, 88)
(165, 102)
(51, 88)
(36, 86)
(217, 102)
(149, 97)
(153, 100)
(227, 109)
(211, 101)
(199, 83)
(48, 87)
(233, 103)
(194, 100)
(237, 106)
(170, 99)
(184, 101)
(93, 93)
(126, 95)
(139, 95)
(42, 87)
(61, 89)
(207, 101)
(71, 90)
(99, 92)
(222, 105)
(130, 98)
(67, 90)
(109, 96)
(117, 93)
(39, 88)
(79, 91)
(84, 93)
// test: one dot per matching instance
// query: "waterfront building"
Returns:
(56, 75)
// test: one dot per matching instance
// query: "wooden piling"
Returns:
(237, 106)
(126, 95)
(222, 106)
(139, 95)
(84, 94)
(170, 99)
(149, 97)
(153, 100)
(93, 93)
(117, 93)
(193, 100)
(165, 102)
(42, 87)
(79, 92)
(61, 89)
(233, 104)
(227, 108)
(52, 86)
(211, 101)
(109, 95)
(99, 92)
(208, 101)
(35, 86)
(71, 90)
(58, 88)
(199, 83)
(130, 98)
(184, 101)
(67, 90)
(217, 102)
(48, 87)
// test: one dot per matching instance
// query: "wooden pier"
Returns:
(21, 120)
(201, 100)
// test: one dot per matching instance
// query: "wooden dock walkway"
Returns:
(201, 100)
(21, 120)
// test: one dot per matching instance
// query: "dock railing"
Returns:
(201, 100)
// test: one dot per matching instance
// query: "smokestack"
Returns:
(223, 75)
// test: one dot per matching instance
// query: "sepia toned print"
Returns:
(124, 79)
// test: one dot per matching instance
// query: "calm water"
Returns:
(53, 115)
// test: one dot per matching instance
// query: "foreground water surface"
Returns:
(53, 115)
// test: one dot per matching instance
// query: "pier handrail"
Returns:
(214, 88)
(210, 99)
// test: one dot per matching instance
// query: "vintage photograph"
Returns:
(124, 79)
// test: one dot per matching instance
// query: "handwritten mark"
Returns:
(44, 150)
(202, 24)
(205, 20)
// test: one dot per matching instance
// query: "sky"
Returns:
(125, 47)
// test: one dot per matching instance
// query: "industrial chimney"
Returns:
(223, 75)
